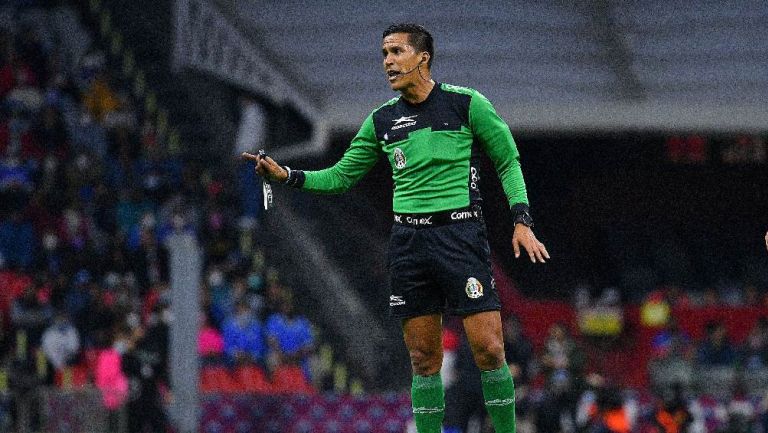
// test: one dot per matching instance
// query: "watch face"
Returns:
(525, 219)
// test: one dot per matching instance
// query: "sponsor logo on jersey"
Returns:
(473, 178)
(414, 221)
(474, 289)
(404, 122)
(464, 214)
(399, 159)
(396, 300)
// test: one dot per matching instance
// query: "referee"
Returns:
(438, 254)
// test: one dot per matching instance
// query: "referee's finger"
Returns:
(271, 162)
(544, 250)
(250, 157)
(516, 247)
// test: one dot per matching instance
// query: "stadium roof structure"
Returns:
(546, 66)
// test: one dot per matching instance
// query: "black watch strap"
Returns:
(295, 177)
(522, 214)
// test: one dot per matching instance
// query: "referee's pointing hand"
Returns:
(267, 168)
(524, 237)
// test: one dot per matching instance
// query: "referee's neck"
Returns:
(418, 93)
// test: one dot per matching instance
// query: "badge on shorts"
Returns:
(474, 289)
(399, 159)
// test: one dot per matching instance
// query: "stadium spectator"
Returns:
(131, 209)
(150, 261)
(108, 375)
(210, 343)
(98, 318)
(31, 314)
(17, 241)
(289, 337)
(100, 99)
(222, 296)
(61, 342)
(563, 364)
(51, 134)
(672, 414)
(754, 353)
(518, 351)
(672, 343)
(147, 368)
(561, 353)
(78, 296)
(716, 349)
(464, 397)
(243, 338)
(607, 413)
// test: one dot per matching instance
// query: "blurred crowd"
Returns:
(89, 197)
(558, 391)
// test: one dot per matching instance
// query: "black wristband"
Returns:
(522, 214)
(295, 178)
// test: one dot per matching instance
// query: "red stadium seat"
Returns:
(290, 379)
(217, 379)
(252, 379)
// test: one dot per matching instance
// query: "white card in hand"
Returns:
(267, 193)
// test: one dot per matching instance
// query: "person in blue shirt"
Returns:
(243, 337)
(716, 349)
(290, 336)
(17, 241)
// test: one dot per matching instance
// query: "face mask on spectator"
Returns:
(243, 318)
(72, 219)
(50, 164)
(133, 320)
(216, 278)
(148, 221)
(177, 221)
(121, 346)
(50, 241)
(152, 181)
(82, 162)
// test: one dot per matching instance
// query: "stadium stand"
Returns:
(93, 178)
(706, 53)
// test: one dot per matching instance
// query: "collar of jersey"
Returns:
(424, 102)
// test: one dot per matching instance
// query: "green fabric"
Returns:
(428, 401)
(496, 139)
(436, 177)
(359, 158)
(499, 395)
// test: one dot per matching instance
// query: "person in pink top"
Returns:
(109, 376)
(210, 343)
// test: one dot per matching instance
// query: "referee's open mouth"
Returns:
(392, 75)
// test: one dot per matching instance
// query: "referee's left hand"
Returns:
(524, 237)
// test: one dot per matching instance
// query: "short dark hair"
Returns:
(418, 36)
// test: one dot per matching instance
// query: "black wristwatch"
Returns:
(522, 215)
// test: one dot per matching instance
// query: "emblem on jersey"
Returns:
(474, 288)
(404, 121)
(399, 159)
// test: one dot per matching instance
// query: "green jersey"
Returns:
(433, 150)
